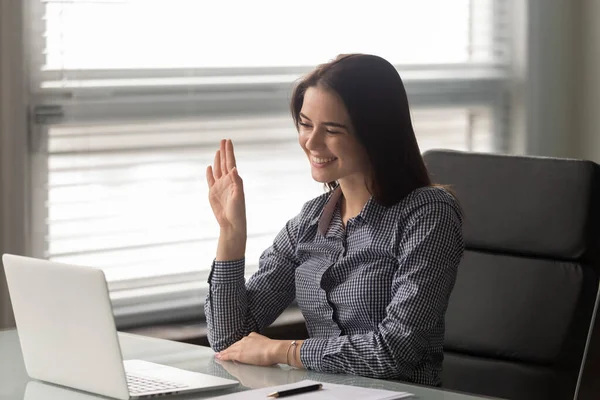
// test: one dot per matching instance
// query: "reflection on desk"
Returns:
(36, 390)
(255, 377)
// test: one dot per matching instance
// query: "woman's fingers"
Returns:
(235, 177)
(223, 152)
(209, 176)
(228, 354)
(224, 162)
(230, 155)
(217, 165)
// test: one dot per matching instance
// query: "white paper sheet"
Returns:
(330, 391)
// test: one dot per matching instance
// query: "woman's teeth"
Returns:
(317, 160)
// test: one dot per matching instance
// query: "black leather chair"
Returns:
(519, 316)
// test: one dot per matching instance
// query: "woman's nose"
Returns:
(315, 140)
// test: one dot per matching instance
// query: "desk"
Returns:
(14, 379)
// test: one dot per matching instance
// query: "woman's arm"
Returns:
(235, 308)
(430, 250)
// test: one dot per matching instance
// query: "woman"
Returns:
(371, 263)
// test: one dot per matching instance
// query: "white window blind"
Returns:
(130, 99)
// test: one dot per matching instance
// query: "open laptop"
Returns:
(68, 335)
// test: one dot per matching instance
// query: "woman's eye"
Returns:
(334, 132)
(303, 124)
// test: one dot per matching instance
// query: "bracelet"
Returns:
(287, 354)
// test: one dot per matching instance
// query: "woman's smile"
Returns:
(320, 162)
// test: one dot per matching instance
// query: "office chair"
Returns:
(519, 317)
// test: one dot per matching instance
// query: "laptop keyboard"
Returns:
(139, 384)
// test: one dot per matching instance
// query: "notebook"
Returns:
(330, 391)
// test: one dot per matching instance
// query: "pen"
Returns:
(291, 392)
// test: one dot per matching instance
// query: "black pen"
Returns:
(290, 392)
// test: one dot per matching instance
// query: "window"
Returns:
(131, 97)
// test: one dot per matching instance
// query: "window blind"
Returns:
(130, 99)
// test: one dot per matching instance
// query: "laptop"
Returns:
(68, 335)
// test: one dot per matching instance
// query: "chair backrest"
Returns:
(520, 313)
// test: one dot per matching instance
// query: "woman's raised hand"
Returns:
(226, 197)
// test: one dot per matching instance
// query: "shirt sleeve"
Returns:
(234, 308)
(430, 249)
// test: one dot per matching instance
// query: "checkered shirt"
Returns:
(374, 294)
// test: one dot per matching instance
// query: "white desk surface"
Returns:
(14, 380)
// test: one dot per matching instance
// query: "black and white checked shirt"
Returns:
(374, 294)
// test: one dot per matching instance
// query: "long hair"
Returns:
(375, 98)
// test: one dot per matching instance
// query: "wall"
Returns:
(557, 83)
(588, 88)
(13, 144)
(549, 58)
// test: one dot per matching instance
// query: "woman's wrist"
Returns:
(287, 352)
(279, 351)
(231, 246)
(296, 359)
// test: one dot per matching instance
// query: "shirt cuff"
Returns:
(227, 271)
(311, 353)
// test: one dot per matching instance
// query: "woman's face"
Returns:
(327, 138)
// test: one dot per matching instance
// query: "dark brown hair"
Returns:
(375, 98)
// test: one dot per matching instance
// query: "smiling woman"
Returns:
(378, 106)
(371, 264)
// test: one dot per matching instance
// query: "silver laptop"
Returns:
(68, 336)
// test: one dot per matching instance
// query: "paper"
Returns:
(330, 391)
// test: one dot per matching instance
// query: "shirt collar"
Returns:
(328, 209)
(371, 211)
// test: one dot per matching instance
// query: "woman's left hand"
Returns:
(255, 349)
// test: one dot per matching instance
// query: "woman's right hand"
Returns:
(226, 197)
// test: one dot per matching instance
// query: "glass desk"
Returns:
(16, 385)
